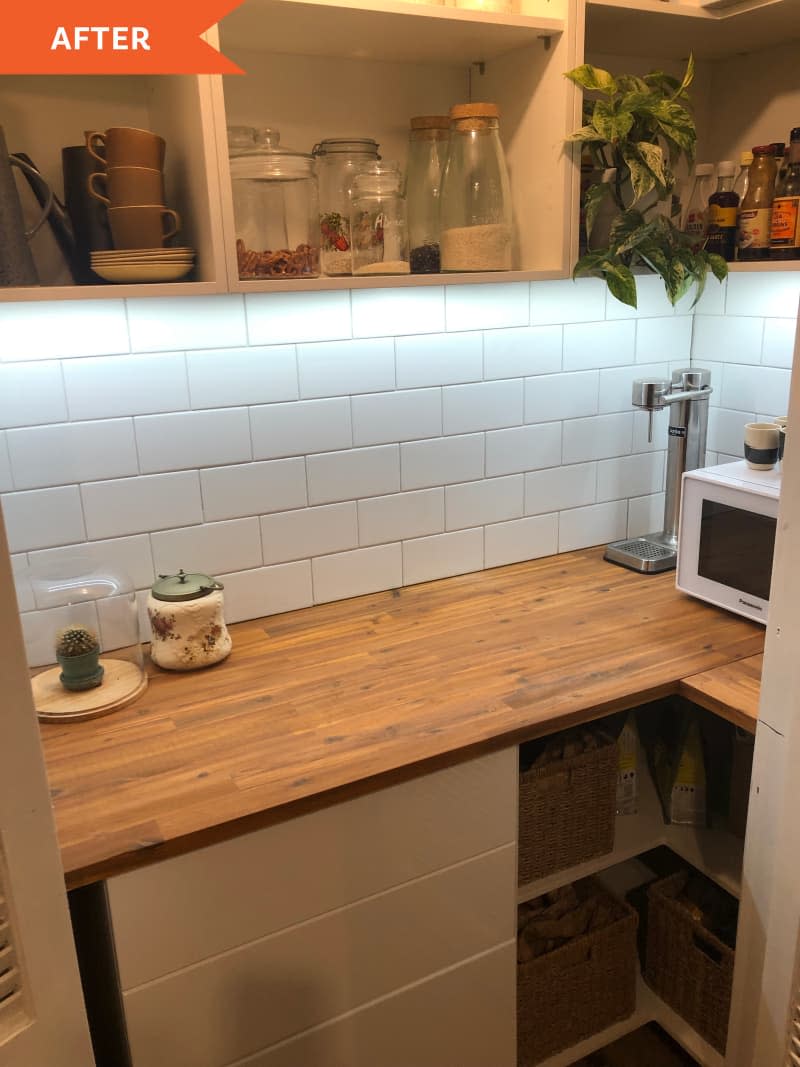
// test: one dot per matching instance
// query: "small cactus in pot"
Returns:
(78, 654)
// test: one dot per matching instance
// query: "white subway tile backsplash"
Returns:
(616, 385)
(482, 406)
(772, 390)
(732, 339)
(487, 307)
(583, 300)
(129, 554)
(778, 344)
(57, 329)
(595, 525)
(651, 300)
(477, 503)
(712, 302)
(387, 312)
(523, 448)
(404, 415)
(253, 489)
(280, 318)
(31, 393)
(439, 359)
(601, 437)
(193, 439)
(22, 583)
(181, 322)
(309, 532)
(774, 295)
(630, 476)
(6, 482)
(214, 548)
(43, 518)
(400, 516)
(267, 591)
(72, 452)
(338, 368)
(520, 539)
(228, 377)
(138, 505)
(645, 515)
(522, 351)
(441, 556)
(726, 430)
(365, 570)
(599, 344)
(560, 488)
(355, 473)
(301, 428)
(667, 339)
(442, 461)
(739, 386)
(561, 396)
(126, 385)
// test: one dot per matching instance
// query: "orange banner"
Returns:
(112, 37)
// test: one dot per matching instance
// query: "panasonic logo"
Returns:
(749, 604)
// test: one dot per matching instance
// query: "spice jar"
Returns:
(378, 221)
(427, 151)
(275, 208)
(186, 617)
(475, 197)
(339, 159)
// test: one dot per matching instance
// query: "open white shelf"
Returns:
(715, 851)
(649, 1008)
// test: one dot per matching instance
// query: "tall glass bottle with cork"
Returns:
(427, 151)
(476, 196)
(784, 239)
(755, 211)
(722, 211)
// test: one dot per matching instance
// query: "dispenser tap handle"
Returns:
(650, 393)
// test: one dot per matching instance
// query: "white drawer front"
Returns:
(225, 1008)
(187, 909)
(462, 1018)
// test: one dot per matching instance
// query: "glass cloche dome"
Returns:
(80, 619)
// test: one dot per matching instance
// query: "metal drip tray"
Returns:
(642, 554)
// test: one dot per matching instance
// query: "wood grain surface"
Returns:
(328, 697)
(731, 691)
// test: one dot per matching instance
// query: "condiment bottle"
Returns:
(427, 151)
(695, 220)
(784, 239)
(339, 159)
(187, 620)
(476, 196)
(378, 221)
(743, 177)
(722, 210)
(755, 211)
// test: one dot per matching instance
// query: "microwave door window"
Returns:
(736, 548)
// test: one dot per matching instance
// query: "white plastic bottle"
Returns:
(695, 220)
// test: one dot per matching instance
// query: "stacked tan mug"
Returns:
(132, 186)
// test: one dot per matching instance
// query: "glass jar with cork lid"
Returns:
(476, 231)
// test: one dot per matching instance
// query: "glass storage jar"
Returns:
(378, 221)
(275, 208)
(476, 198)
(427, 151)
(241, 139)
(339, 159)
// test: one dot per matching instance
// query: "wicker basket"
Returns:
(579, 989)
(689, 968)
(567, 811)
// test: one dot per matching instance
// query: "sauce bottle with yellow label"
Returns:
(722, 211)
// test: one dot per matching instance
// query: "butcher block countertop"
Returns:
(318, 703)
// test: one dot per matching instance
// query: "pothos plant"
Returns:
(641, 127)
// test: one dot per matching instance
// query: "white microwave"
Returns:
(726, 539)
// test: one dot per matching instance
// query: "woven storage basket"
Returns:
(579, 989)
(689, 968)
(567, 811)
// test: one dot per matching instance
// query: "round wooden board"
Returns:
(122, 683)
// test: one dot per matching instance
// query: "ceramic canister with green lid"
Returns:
(188, 623)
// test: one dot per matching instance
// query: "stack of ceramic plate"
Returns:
(143, 264)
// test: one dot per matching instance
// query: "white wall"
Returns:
(309, 447)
